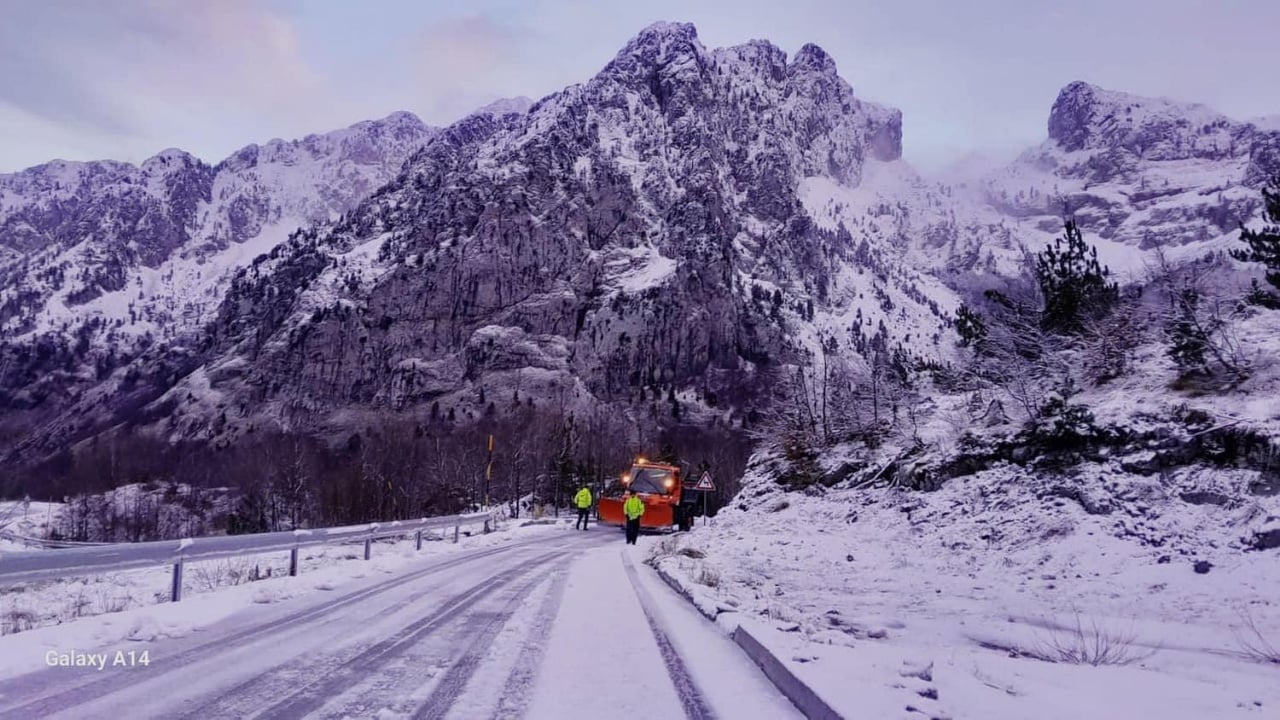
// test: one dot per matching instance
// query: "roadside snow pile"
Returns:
(25, 519)
(1095, 593)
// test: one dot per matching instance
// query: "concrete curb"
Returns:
(793, 688)
(800, 695)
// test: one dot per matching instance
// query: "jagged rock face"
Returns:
(100, 261)
(79, 231)
(608, 239)
(114, 216)
(1086, 117)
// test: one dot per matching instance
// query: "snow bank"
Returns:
(986, 583)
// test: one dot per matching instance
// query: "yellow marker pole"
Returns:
(488, 472)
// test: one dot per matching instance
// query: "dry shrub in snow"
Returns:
(1254, 644)
(664, 548)
(16, 621)
(1090, 644)
(211, 575)
(707, 576)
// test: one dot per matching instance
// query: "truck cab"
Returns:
(661, 489)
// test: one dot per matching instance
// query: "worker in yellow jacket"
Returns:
(633, 508)
(582, 501)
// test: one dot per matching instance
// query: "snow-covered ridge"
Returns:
(148, 248)
(504, 106)
(1089, 117)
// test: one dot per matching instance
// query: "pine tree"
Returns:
(971, 327)
(1074, 284)
(1188, 340)
(1264, 244)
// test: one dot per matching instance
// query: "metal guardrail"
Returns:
(92, 560)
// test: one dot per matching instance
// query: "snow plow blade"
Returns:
(661, 496)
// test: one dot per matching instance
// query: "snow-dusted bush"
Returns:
(1091, 644)
(16, 621)
(1199, 322)
(706, 575)
(1078, 644)
(213, 574)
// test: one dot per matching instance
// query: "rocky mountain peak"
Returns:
(396, 121)
(1087, 117)
(656, 49)
(662, 33)
(168, 160)
(1071, 115)
(813, 59)
(1139, 172)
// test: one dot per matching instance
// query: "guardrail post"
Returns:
(368, 542)
(457, 530)
(176, 594)
(293, 554)
(486, 526)
(419, 541)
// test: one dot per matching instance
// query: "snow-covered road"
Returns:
(564, 625)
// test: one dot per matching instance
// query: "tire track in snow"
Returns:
(695, 706)
(347, 672)
(102, 684)
(517, 692)
(455, 680)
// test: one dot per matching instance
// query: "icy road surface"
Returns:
(567, 625)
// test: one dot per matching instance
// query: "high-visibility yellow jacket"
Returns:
(582, 499)
(633, 508)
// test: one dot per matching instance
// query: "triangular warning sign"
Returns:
(704, 482)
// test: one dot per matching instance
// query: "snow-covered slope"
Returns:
(1016, 600)
(108, 270)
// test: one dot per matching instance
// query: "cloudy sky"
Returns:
(123, 79)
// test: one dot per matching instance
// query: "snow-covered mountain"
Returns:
(646, 233)
(654, 240)
(1138, 174)
(148, 248)
(103, 261)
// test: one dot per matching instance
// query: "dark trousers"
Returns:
(633, 530)
(583, 516)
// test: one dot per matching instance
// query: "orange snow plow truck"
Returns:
(661, 489)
